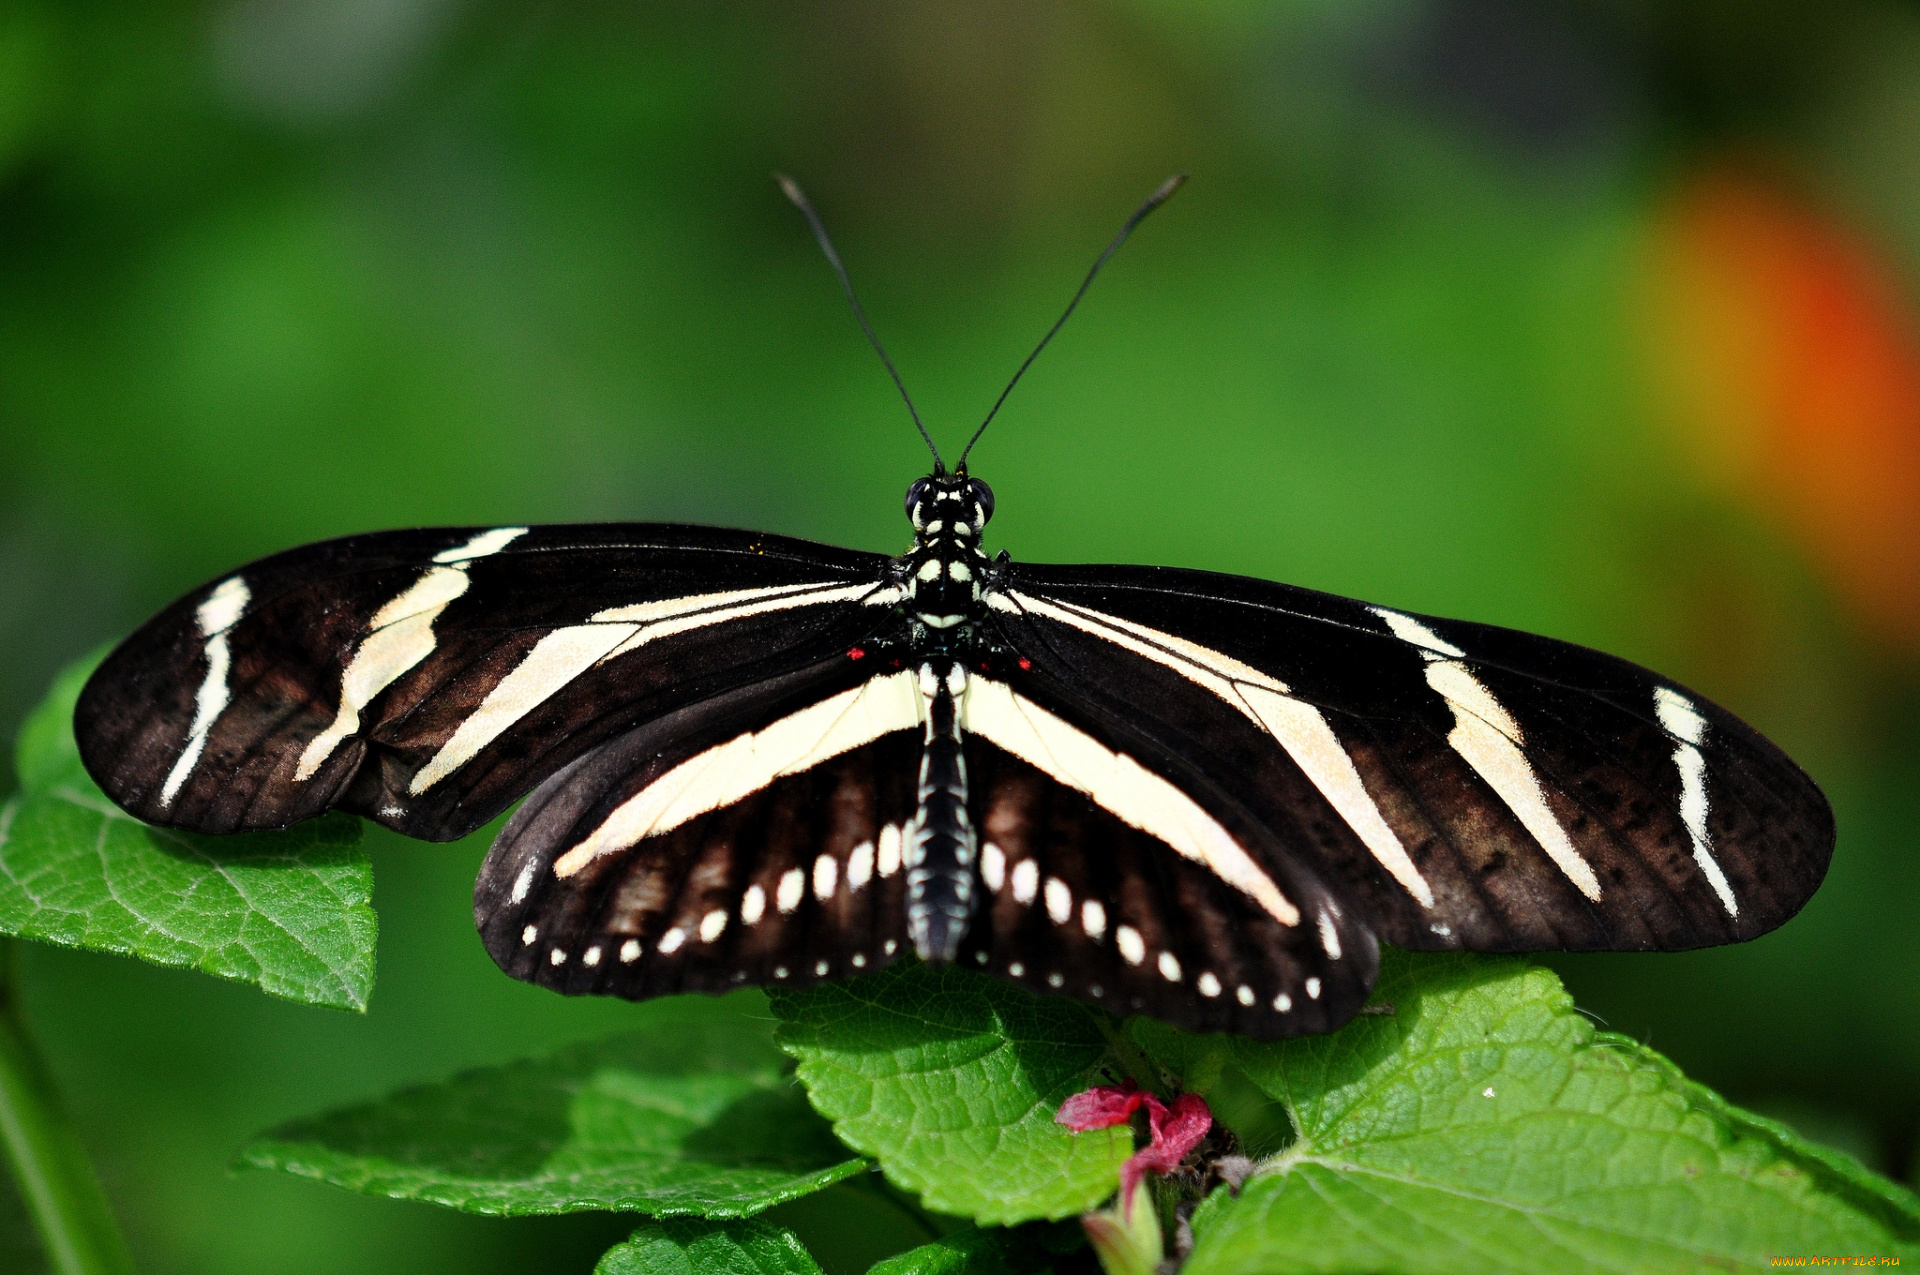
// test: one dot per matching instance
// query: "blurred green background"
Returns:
(1596, 319)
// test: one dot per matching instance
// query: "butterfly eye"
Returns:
(914, 494)
(983, 495)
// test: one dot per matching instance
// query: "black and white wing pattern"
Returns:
(754, 837)
(1458, 785)
(762, 761)
(767, 838)
(1170, 901)
(427, 679)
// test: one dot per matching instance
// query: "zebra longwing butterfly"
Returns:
(758, 760)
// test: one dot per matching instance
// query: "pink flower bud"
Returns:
(1172, 1133)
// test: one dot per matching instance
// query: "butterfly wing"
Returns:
(428, 678)
(753, 837)
(1082, 901)
(1460, 785)
(1200, 797)
(760, 838)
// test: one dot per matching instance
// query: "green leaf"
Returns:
(696, 1114)
(1486, 1126)
(289, 911)
(980, 1251)
(687, 1246)
(972, 1252)
(950, 1079)
(44, 753)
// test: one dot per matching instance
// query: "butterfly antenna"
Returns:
(1153, 201)
(799, 198)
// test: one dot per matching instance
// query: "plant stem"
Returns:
(77, 1230)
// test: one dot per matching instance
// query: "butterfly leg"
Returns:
(940, 852)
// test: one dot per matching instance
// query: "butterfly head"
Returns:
(953, 501)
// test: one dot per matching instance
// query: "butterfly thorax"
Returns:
(945, 572)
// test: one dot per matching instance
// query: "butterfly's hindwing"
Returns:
(426, 679)
(797, 880)
(801, 879)
(1078, 902)
(1540, 796)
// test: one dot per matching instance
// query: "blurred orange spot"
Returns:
(1795, 374)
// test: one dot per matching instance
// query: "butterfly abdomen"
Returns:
(941, 851)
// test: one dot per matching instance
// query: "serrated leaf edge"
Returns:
(260, 1154)
(1886, 1202)
(341, 994)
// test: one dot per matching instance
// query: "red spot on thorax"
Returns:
(856, 654)
(1025, 664)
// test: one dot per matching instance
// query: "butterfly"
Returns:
(749, 759)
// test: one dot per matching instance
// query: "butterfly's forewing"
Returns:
(428, 678)
(754, 838)
(1462, 785)
(1698, 808)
